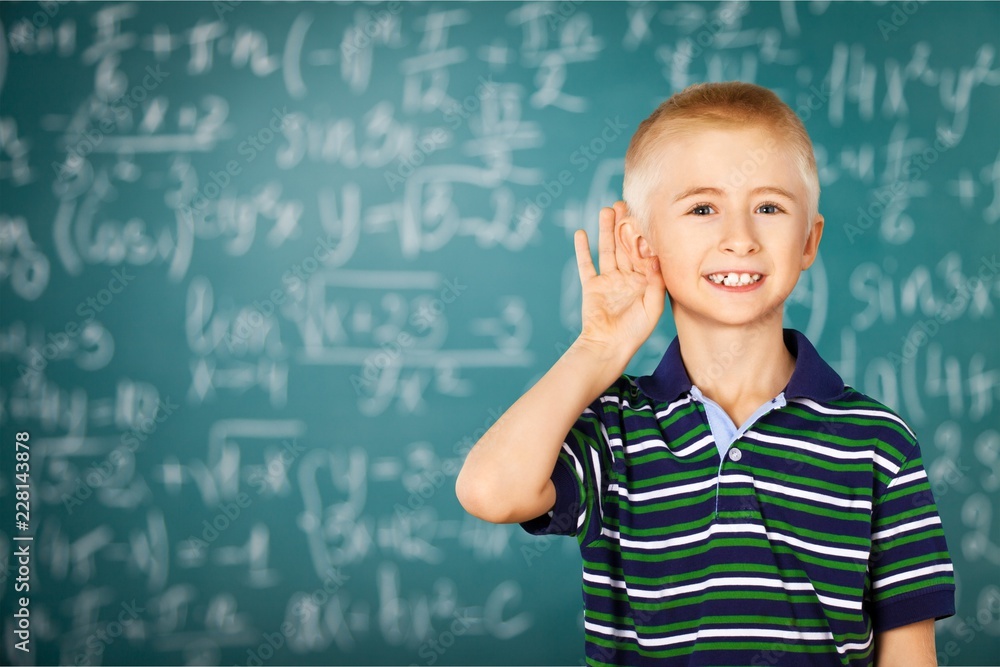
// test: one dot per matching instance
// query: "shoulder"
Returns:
(624, 393)
(861, 417)
(626, 406)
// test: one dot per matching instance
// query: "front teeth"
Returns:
(733, 279)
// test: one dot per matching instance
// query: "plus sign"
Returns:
(964, 187)
(160, 42)
(496, 54)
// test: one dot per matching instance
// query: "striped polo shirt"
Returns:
(817, 528)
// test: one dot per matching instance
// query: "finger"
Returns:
(656, 289)
(584, 263)
(653, 273)
(620, 209)
(606, 240)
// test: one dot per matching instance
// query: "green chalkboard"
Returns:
(268, 269)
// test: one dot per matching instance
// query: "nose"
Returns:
(739, 234)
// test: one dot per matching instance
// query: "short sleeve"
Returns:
(580, 476)
(911, 573)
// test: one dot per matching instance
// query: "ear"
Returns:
(812, 242)
(636, 246)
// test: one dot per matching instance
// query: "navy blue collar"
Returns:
(812, 378)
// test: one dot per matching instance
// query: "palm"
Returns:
(623, 303)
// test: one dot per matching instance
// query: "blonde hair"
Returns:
(729, 105)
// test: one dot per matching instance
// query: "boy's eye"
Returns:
(767, 204)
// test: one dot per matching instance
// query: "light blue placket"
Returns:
(724, 431)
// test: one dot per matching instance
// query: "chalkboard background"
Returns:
(267, 271)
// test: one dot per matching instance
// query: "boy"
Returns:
(740, 505)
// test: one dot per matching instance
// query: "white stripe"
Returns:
(796, 492)
(810, 446)
(579, 475)
(667, 491)
(718, 582)
(595, 457)
(673, 406)
(692, 537)
(905, 528)
(665, 544)
(912, 574)
(854, 411)
(855, 554)
(824, 636)
(890, 466)
(635, 408)
(906, 479)
(658, 442)
(732, 478)
(856, 646)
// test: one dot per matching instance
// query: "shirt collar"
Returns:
(812, 378)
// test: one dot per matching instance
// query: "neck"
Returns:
(738, 367)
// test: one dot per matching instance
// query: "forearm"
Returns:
(906, 646)
(505, 473)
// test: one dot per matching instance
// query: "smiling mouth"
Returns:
(733, 279)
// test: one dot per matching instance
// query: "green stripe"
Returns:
(862, 542)
(893, 591)
(880, 522)
(709, 644)
(799, 455)
(812, 482)
(845, 515)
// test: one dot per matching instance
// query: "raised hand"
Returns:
(622, 303)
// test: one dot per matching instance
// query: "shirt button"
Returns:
(735, 454)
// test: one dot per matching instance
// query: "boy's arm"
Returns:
(906, 646)
(506, 477)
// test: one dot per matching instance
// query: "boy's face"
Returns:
(704, 239)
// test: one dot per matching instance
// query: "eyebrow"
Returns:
(771, 189)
